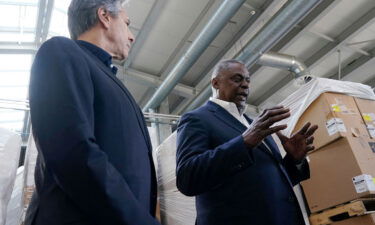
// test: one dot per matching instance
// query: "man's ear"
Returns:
(215, 83)
(104, 17)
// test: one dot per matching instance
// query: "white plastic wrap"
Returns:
(175, 208)
(300, 100)
(15, 207)
(10, 148)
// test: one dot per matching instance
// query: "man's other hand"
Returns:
(260, 128)
(300, 143)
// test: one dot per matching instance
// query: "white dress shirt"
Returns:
(232, 109)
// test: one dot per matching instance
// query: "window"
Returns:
(18, 20)
(14, 81)
(59, 21)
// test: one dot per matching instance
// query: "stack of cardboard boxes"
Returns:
(343, 163)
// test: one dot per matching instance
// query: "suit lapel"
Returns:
(275, 153)
(231, 121)
(135, 106)
(226, 117)
(272, 147)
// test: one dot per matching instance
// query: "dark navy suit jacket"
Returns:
(95, 165)
(234, 185)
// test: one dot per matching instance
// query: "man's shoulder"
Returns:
(202, 113)
(61, 43)
(202, 110)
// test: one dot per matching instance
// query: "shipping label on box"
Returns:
(371, 130)
(364, 183)
(335, 125)
(368, 117)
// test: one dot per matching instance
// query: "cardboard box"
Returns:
(367, 110)
(332, 169)
(336, 115)
(359, 220)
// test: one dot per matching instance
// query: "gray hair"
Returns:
(82, 14)
(222, 65)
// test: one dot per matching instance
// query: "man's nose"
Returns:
(131, 37)
(245, 84)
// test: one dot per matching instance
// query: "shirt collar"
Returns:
(229, 106)
(102, 55)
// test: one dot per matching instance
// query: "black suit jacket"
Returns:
(95, 164)
(233, 184)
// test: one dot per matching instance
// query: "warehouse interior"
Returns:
(178, 43)
(335, 38)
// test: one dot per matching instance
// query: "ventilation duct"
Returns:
(284, 20)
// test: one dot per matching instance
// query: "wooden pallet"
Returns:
(357, 207)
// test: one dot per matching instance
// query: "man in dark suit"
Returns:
(231, 163)
(95, 164)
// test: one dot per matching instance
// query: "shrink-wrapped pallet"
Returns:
(10, 148)
(301, 99)
(175, 208)
(15, 206)
(343, 160)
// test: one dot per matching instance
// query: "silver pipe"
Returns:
(161, 116)
(153, 15)
(288, 62)
(217, 22)
(284, 20)
(155, 126)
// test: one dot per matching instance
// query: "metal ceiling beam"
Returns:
(301, 28)
(17, 3)
(47, 20)
(164, 70)
(279, 25)
(11, 48)
(330, 39)
(40, 20)
(147, 26)
(256, 13)
(16, 30)
(353, 66)
(227, 10)
(328, 49)
(350, 32)
(154, 81)
(43, 20)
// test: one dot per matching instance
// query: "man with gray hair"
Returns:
(95, 162)
(231, 163)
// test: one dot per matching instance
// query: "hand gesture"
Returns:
(260, 128)
(300, 143)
